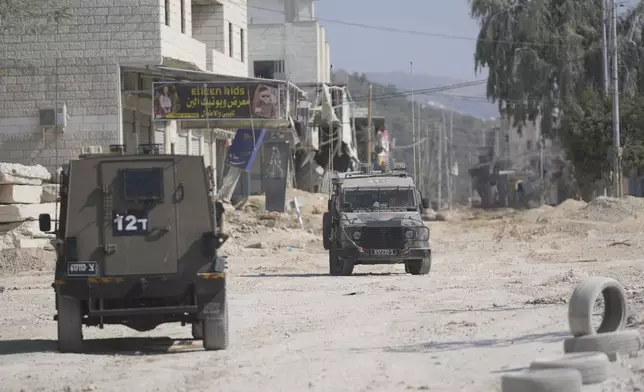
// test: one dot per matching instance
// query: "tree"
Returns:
(543, 53)
(586, 133)
(31, 16)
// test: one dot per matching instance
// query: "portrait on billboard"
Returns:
(166, 100)
(265, 101)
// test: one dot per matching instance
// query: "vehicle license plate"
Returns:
(383, 252)
(82, 268)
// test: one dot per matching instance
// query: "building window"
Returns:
(269, 69)
(167, 12)
(242, 47)
(183, 16)
(230, 39)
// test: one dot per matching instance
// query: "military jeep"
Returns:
(137, 238)
(374, 217)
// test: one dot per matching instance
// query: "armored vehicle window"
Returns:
(380, 198)
(142, 184)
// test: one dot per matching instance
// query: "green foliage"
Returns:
(31, 16)
(544, 57)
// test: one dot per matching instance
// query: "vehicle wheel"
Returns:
(551, 380)
(626, 341)
(339, 266)
(70, 325)
(419, 267)
(593, 366)
(582, 302)
(326, 230)
(215, 330)
(197, 330)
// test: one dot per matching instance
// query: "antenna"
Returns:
(56, 146)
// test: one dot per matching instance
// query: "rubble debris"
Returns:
(15, 173)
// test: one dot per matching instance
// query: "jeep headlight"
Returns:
(410, 234)
(356, 235)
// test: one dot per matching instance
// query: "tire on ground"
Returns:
(70, 325)
(582, 302)
(215, 331)
(326, 230)
(623, 342)
(197, 330)
(551, 380)
(419, 267)
(593, 366)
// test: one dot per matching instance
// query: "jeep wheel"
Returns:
(197, 330)
(326, 230)
(70, 325)
(419, 267)
(339, 266)
(215, 331)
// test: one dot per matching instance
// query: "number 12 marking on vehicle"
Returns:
(129, 224)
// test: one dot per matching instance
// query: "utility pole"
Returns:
(617, 149)
(439, 163)
(452, 158)
(369, 127)
(448, 177)
(604, 48)
(413, 119)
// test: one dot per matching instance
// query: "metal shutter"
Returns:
(196, 146)
(181, 147)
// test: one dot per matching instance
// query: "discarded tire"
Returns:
(593, 366)
(624, 342)
(582, 302)
(548, 380)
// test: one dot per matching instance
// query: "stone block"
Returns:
(25, 212)
(20, 194)
(49, 193)
(15, 173)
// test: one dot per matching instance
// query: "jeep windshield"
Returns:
(388, 199)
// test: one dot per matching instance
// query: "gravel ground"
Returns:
(494, 301)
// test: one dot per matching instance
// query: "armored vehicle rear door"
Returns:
(140, 237)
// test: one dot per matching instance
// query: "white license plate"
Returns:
(383, 252)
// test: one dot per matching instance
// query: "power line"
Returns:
(417, 32)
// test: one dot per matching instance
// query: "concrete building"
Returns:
(97, 70)
(287, 42)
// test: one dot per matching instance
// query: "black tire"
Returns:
(197, 330)
(70, 325)
(338, 266)
(419, 267)
(215, 330)
(326, 230)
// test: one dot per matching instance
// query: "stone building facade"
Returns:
(100, 64)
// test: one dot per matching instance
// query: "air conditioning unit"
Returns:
(91, 150)
(54, 117)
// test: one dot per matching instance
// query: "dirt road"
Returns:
(494, 301)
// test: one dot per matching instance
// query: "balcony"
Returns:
(179, 46)
(226, 65)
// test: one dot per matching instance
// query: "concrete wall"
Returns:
(295, 43)
(77, 64)
(273, 11)
(210, 25)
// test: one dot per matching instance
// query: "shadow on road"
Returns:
(492, 309)
(434, 347)
(320, 275)
(121, 346)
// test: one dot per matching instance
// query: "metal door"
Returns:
(139, 234)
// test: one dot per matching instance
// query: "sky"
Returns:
(358, 49)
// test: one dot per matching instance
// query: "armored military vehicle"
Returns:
(374, 217)
(137, 238)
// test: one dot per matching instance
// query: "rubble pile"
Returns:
(25, 193)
